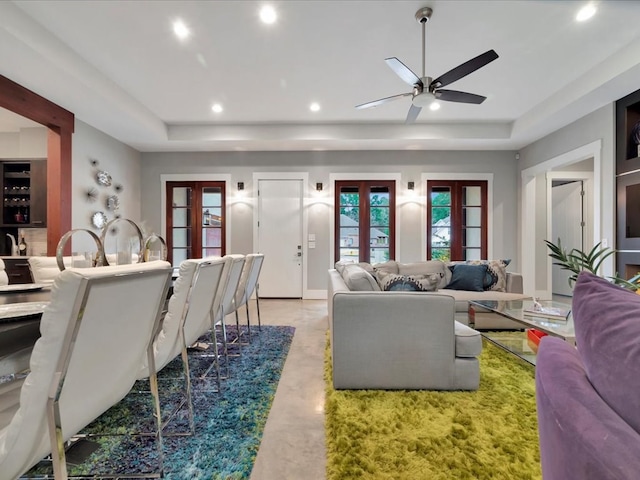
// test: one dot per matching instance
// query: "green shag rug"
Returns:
(491, 433)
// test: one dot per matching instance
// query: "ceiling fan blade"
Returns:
(464, 69)
(375, 103)
(461, 97)
(412, 114)
(403, 71)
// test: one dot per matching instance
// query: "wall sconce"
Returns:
(319, 186)
(240, 185)
(411, 185)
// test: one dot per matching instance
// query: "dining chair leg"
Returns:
(248, 321)
(258, 306)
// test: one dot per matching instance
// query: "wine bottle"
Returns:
(22, 247)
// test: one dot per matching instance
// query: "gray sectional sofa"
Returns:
(401, 339)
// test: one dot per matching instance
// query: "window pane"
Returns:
(441, 196)
(379, 236)
(181, 196)
(180, 237)
(211, 252)
(443, 254)
(379, 198)
(211, 196)
(349, 199)
(471, 196)
(379, 216)
(179, 256)
(379, 255)
(441, 216)
(472, 216)
(349, 237)
(181, 216)
(440, 237)
(211, 237)
(472, 237)
(350, 254)
(349, 216)
(472, 254)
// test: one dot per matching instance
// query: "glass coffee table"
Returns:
(516, 342)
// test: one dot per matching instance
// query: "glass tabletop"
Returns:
(521, 312)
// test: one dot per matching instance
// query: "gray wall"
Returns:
(599, 125)
(319, 165)
(120, 161)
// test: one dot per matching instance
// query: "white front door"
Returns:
(567, 224)
(280, 237)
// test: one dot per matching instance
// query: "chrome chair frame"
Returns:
(54, 420)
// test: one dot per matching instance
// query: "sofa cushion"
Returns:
(468, 341)
(607, 324)
(358, 279)
(428, 267)
(417, 283)
(467, 277)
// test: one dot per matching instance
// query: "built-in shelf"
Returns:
(24, 192)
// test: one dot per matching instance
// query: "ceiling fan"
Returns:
(427, 90)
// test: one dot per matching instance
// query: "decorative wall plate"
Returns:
(99, 219)
(113, 202)
(103, 178)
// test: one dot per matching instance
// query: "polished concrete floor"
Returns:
(293, 443)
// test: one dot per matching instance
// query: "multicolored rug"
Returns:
(228, 424)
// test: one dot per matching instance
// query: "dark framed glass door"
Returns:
(195, 221)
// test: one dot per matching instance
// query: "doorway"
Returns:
(280, 237)
(567, 224)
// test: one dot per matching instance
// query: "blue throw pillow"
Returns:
(468, 277)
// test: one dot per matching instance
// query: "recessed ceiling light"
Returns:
(434, 106)
(180, 29)
(586, 12)
(268, 14)
(217, 108)
(314, 107)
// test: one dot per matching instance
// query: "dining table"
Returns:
(21, 307)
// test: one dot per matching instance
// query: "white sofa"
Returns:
(364, 279)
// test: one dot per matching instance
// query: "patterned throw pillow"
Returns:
(496, 275)
(414, 283)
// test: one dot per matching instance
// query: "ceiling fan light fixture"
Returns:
(434, 106)
(424, 99)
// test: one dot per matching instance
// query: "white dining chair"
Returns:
(189, 308)
(247, 286)
(99, 325)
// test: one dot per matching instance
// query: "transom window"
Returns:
(365, 220)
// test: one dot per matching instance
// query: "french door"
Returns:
(456, 220)
(196, 225)
(365, 220)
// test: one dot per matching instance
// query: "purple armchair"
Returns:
(589, 398)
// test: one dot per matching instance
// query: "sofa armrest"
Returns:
(514, 283)
(580, 435)
(392, 340)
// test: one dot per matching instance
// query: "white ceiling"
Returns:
(118, 67)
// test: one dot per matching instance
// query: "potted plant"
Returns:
(576, 261)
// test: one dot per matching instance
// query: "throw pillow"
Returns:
(358, 279)
(607, 324)
(468, 277)
(496, 275)
(415, 283)
(428, 267)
